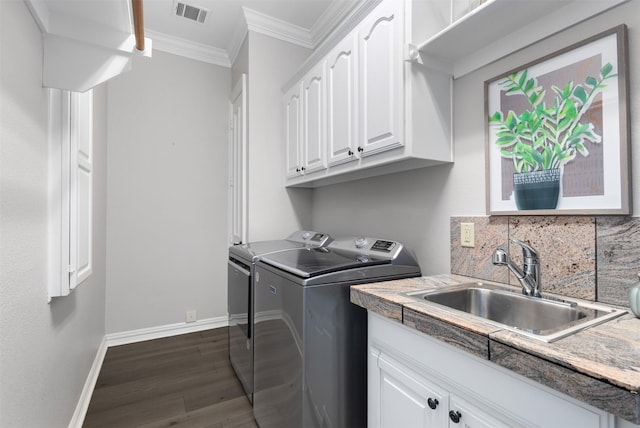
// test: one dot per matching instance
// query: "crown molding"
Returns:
(189, 49)
(358, 10)
(337, 11)
(41, 14)
(276, 28)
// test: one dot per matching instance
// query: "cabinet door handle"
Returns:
(360, 149)
(454, 416)
(433, 403)
(302, 169)
(350, 153)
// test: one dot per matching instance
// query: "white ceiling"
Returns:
(217, 40)
(305, 22)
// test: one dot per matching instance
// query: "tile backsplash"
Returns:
(589, 257)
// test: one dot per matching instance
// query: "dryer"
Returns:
(240, 274)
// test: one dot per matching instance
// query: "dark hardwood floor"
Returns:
(180, 381)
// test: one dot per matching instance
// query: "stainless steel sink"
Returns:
(541, 318)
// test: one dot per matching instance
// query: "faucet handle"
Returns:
(528, 252)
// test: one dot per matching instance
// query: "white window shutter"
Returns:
(58, 203)
(81, 185)
(70, 190)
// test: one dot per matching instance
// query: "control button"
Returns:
(306, 235)
(360, 242)
(362, 258)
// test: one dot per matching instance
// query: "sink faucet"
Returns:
(529, 275)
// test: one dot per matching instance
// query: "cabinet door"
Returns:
(407, 400)
(341, 102)
(381, 78)
(293, 130)
(313, 112)
(469, 416)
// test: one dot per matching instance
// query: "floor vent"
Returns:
(192, 13)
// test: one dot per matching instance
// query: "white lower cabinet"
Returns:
(407, 399)
(417, 381)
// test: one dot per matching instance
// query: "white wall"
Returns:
(167, 192)
(414, 207)
(273, 211)
(241, 63)
(46, 350)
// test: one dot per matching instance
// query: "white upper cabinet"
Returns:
(313, 125)
(371, 95)
(305, 124)
(293, 130)
(342, 113)
(381, 45)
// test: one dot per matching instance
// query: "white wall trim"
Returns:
(133, 336)
(189, 49)
(87, 391)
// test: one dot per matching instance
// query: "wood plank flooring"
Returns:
(182, 381)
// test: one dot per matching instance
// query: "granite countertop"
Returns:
(599, 365)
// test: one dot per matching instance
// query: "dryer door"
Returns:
(239, 305)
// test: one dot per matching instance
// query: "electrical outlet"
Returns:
(467, 235)
(191, 316)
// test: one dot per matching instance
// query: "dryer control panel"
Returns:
(309, 237)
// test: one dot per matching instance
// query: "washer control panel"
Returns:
(384, 246)
(314, 239)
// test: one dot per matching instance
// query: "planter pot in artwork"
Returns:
(537, 190)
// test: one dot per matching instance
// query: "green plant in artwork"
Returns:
(547, 137)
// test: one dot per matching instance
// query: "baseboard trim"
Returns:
(87, 391)
(133, 336)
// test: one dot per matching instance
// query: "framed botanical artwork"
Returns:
(557, 132)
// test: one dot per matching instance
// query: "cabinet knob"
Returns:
(297, 169)
(454, 416)
(360, 149)
(350, 153)
(302, 169)
(433, 403)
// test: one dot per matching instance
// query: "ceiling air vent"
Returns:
(193, 13)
